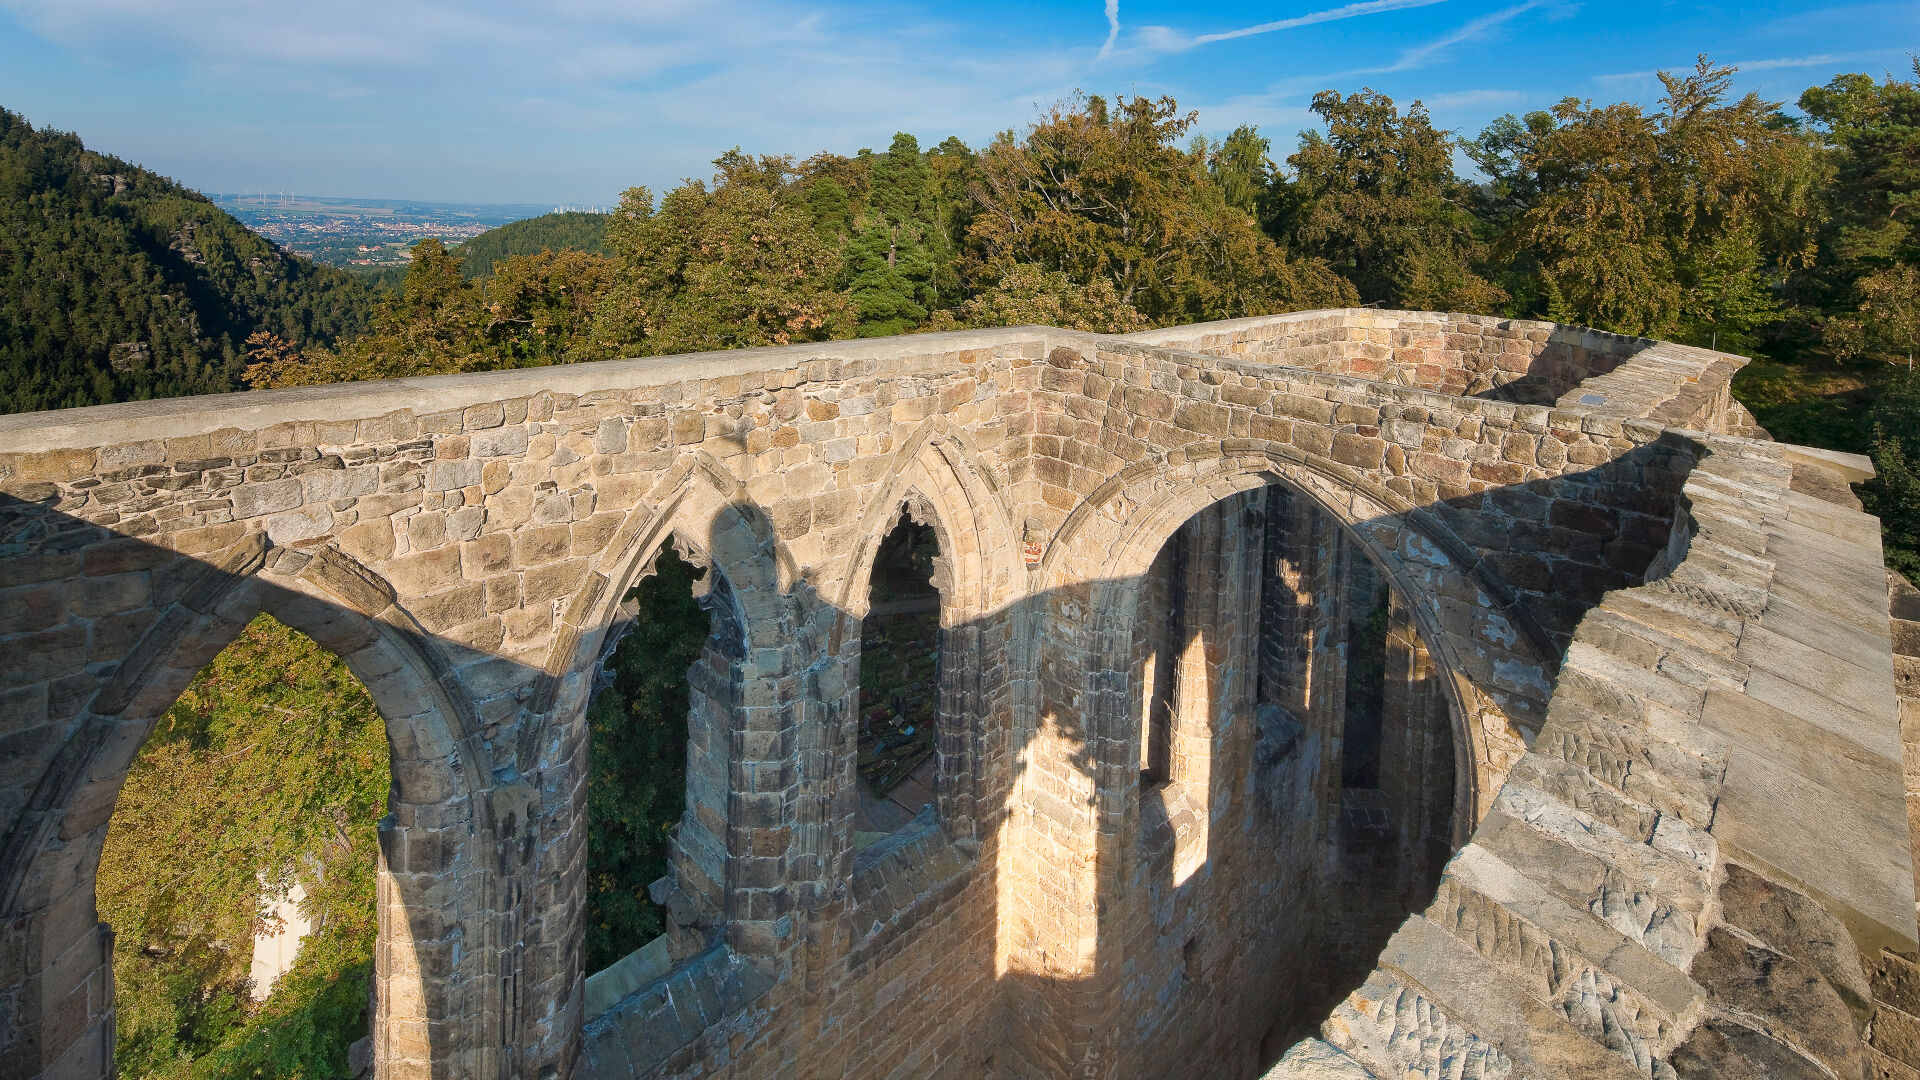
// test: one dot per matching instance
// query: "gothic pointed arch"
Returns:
(440, 772)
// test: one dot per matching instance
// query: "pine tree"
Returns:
(888, 262)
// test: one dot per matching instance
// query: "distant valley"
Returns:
(368, 233)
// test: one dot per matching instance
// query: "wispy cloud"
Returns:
(1792, 62)
(1113, 30)
(1427, 52)
(1367, 7)
(1771, 64)
(1155, 41)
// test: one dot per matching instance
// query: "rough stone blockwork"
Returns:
(1245, 629)
(1703, 867)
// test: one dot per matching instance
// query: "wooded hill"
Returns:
(565, 231)
(118, 284)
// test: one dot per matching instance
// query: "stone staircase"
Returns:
(1682, 877)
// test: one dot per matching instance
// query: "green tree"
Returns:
(1867, 243)
(1377, 198)
(1027, 295)
(271, 769)
(1670, 224)
(735, 265)
(954, 172)
(540, 308)
(1106, 194)
(1240, 168)
(1887, 322)
(890, 262)
(1893, 495)
(532, 310)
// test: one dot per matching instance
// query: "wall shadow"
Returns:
(1040, 835)
(1565, 363)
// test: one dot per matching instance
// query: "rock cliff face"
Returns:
(1625, 672)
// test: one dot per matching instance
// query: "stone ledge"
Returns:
(910, 871)
(712, 991)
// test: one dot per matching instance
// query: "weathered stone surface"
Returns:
(1644, 669)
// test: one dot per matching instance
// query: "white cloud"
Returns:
(1113, 30)
(1367, 7)
(1778, 63)
(1153, 41)
(1427, 52)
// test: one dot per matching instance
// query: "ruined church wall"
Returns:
(1462, 355)
(476, 533)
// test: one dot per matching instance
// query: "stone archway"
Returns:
(935, 481)
(1185, 855)
(705, 512)
(441, 954)
(1497, 665)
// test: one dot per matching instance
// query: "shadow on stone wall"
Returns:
(483, 849)
(1563, 365)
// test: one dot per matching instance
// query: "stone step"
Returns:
(1478, 996)
(1606, 985)
(1313, 1059)
(1656, 650)
(1577, 787)
(1654, 893)
(1396, 1030)
(1653, 753)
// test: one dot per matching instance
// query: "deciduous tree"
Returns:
(1377, 198)
(736, 264)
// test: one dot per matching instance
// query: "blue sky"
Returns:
(571, 101)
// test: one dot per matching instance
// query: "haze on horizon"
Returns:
(493, 103)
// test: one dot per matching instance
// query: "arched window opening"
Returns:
(1163, 639)
(240, 870)
(650, 769)
(1366, 616)
(1287, 708)
(900, 648)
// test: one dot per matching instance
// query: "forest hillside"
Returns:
(571, 230)
(117, 284)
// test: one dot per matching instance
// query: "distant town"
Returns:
(370, 233)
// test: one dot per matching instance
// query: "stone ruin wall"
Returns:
(1461, 355)
(466, 557)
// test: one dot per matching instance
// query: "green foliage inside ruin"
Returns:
(271, 769)
(637, 760)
